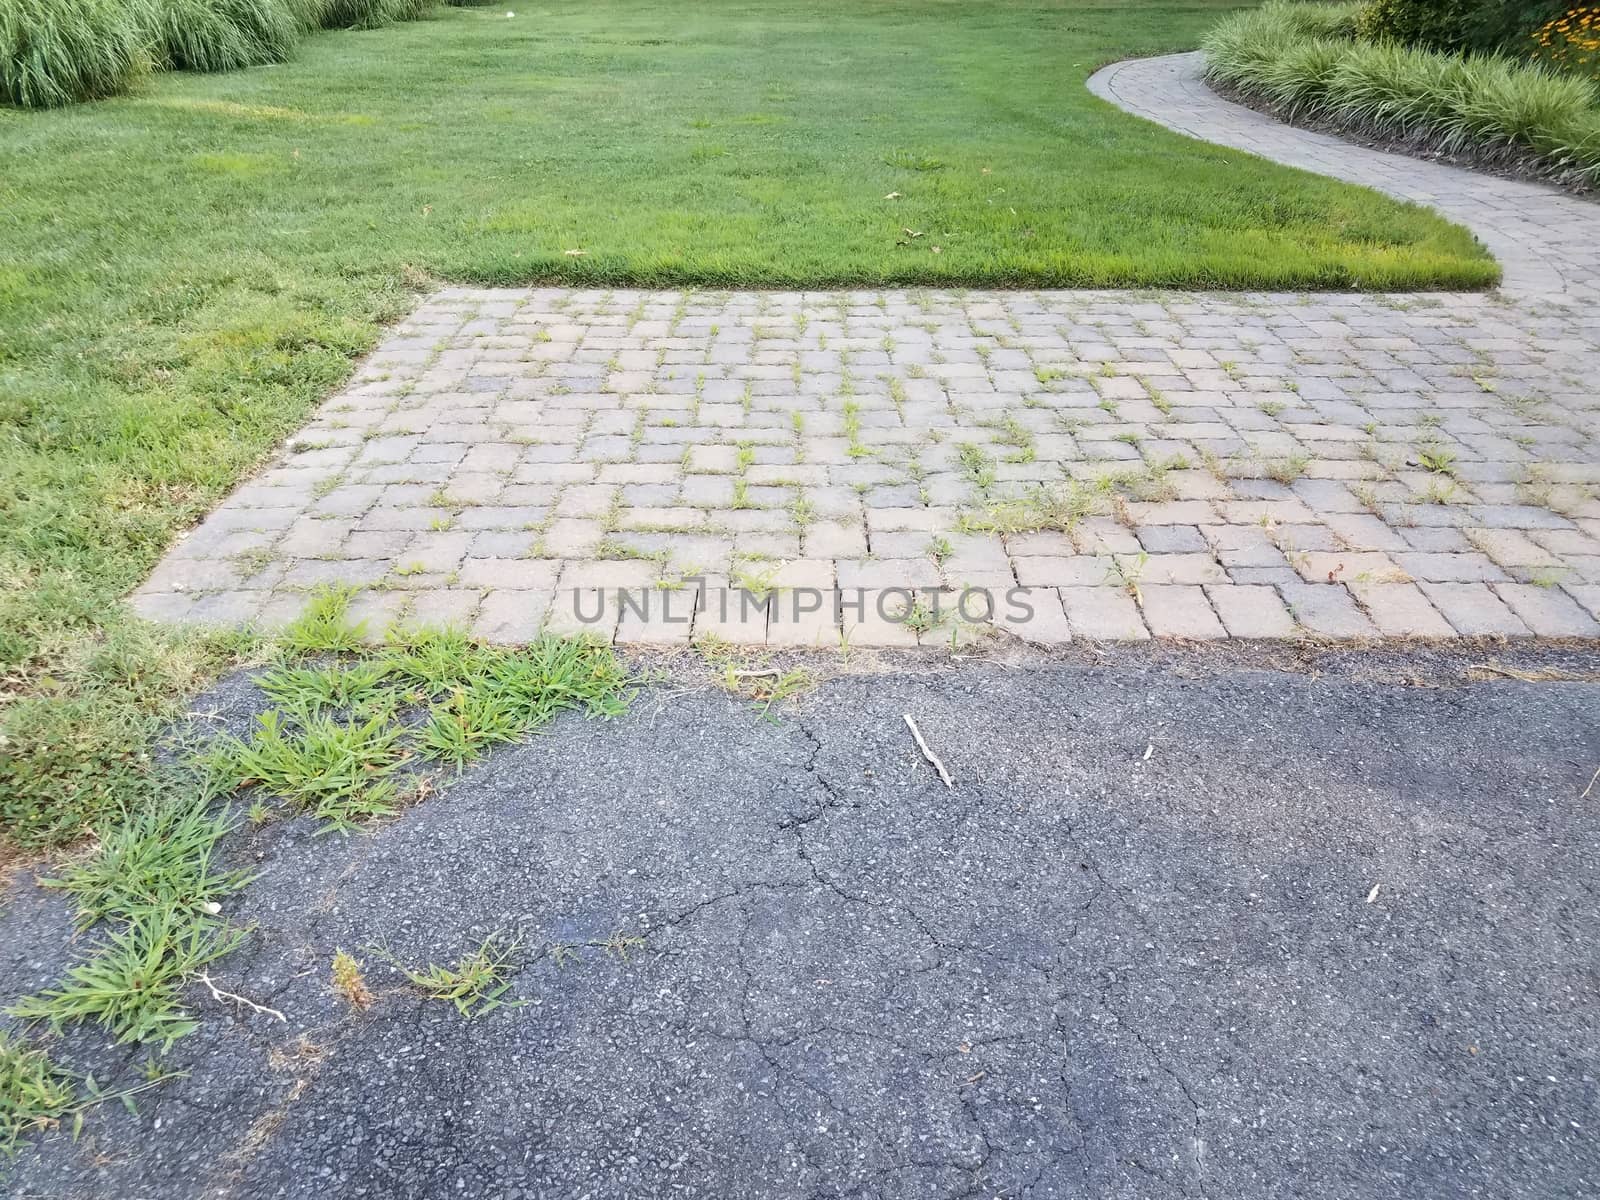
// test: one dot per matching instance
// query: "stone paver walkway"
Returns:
(902, 467)
(1545, 239)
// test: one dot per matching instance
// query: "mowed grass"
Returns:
(186, 270)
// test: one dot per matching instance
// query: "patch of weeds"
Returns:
(1437, 459)
(340, 772)
(1439, 491)
(752, 677)
(1287, 470)
(1016, 435)
(1043, 509)
(475, 983)
(940, 550)
(1547, 577)
(615, 550)
(77, 748)
(37, 1095)
(157, 859)
(348, 980)
(1151, 485)
(428, 661)
(463, 727)
(325, 626)
(910, 161)
(253, 561)
(976, 465)
(34, 1093)
(620, 945)
(130, 986)
(310, 690)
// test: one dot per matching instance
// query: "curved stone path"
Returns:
(1547, 241)
(786, 468)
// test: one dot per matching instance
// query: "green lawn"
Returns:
(184, 272)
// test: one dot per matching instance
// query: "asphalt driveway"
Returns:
(1238, 933)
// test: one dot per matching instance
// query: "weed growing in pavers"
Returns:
(1287, 470)
(752, 676)
(1042, 509)
(1437, 459)
(1127, 573)
(325, 625)
(1016, 435)
(759, 583)
(921, 619)
(475, 983)
(1440, 491)
(977, 465)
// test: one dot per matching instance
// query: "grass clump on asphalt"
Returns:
(347, 737)
(130, 984)
(350, 736)
(1306, 60)
(151, 882)
(339, 771)
(348, 980)
(475, 983)
(34, 1092)
(159, 858)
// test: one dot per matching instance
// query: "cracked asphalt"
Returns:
(1130, 954)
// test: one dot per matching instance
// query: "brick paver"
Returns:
(1098, 465)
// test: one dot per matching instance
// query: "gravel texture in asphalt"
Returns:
(1244, 933)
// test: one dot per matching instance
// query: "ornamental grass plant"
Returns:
(55, 52)
(1306, 60)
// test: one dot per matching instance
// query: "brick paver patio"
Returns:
(795, 469)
